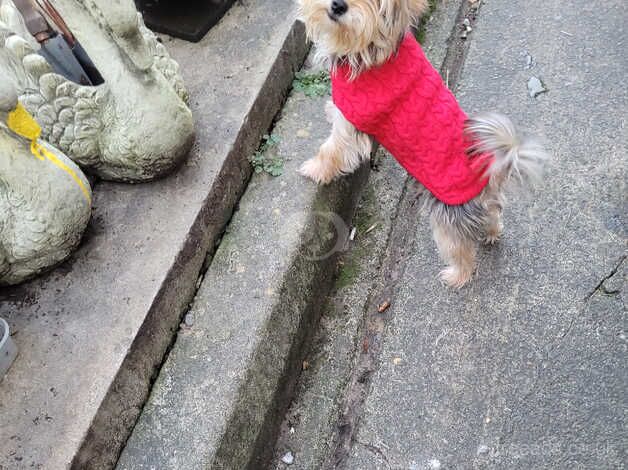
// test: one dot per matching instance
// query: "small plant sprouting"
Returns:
(262, 160)
(425, 18)
(312, 84)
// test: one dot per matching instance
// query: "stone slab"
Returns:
(220, 396)
(93, 332)
(526, 367)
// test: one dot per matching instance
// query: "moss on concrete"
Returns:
(420, 28)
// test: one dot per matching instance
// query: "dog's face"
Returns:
(353, 27)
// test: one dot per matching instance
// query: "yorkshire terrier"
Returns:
(384, 88)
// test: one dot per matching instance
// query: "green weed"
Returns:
(264, 160)
(312, 84)
(347, 274)
(420, 28)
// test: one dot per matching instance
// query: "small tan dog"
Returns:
(465, 168)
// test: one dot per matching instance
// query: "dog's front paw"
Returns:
(316, 170)
(492, 238)
(494, 233)
(454, 277)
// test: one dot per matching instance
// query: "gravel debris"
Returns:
(288, 458)
(536, 87)
(482, 449)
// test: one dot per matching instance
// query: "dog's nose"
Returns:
(339, 7)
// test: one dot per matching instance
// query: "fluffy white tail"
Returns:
(495, 134)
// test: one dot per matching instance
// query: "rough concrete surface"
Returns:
(526, 367)
(92, 333)
(219, 398)
(310, 424)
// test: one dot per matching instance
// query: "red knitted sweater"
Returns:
(406, 106)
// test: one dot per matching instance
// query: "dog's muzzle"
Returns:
(338, 8)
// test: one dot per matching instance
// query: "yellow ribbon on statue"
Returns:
(23, 124)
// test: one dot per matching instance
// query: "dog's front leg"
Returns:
(343, 151)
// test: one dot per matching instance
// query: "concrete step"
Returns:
(309, 426)
(219, 398)
(93, 332)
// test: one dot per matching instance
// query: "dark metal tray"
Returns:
(185, 19)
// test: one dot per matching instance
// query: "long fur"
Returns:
(457, 229)
(342, 153)
(366, 36)
(513, 155)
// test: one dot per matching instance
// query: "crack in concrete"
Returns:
(509, 426)
(368, 357)
(375, 450)
(579, 312)
(600, 285)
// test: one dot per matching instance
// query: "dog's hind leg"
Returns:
(342, 153)
(495, 226)
(493, 201)
(457, 250)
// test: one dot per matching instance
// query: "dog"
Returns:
(384, 89)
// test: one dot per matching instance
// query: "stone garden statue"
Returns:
(135, 126)
(131, 125)
(45, 200)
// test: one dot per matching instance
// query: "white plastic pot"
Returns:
(8, 349)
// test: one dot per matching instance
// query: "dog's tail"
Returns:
(513, 155)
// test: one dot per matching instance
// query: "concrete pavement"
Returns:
(525, 368)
